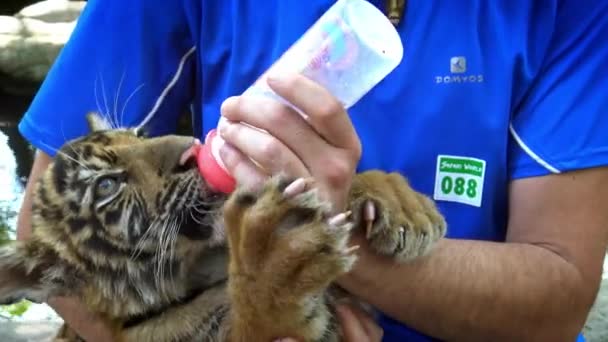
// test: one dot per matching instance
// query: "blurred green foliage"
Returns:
(14, 310)
(6, 233)
(6, 215)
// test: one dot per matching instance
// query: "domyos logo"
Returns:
(458, 73)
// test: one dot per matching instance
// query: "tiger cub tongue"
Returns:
(190, 153)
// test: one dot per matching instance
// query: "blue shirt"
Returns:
(488, 91)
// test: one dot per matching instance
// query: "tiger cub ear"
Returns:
(97, 122)
(21, 274)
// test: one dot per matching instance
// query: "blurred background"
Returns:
(31, 35)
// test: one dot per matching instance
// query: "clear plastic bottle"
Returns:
(348, 50)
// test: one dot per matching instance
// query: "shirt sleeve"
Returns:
(562, 122)
(133, 61)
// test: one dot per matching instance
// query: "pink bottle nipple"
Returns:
(214, 174)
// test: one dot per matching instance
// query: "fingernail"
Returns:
(228, 104)
(274, 79)
(279, 79)
(342, 308)
(227, 152)
(223, 125)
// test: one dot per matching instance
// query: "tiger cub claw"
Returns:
(287, 228)
(397, 221)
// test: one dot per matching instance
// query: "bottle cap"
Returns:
(215, 175)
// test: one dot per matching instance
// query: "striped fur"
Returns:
(119, 222)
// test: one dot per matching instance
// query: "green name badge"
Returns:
(459, 179)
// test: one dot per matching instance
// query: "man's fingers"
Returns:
(267, 151)
(324, 112)
(373, 330)
(244, 171)
(357, 327)
(280, 121)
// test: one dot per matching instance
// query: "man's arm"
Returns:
(539, 286)
(72, 311)
(24, 222)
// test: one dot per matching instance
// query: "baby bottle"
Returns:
(348, 50)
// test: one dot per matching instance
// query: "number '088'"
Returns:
(459, 186)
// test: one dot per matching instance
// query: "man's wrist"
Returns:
(455, 292)
(364, 270)
(88, 326)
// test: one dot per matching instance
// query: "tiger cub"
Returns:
(126, 224)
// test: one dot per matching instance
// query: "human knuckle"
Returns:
(352, 155)
(279, 115)
(270, 151)
(337, 172)
(356, 151)
(233, 108)
(229, 131)
(293, 82)
(230, 160)
(329, 109)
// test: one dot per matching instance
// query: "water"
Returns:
(10, 199)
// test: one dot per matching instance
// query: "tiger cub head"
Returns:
(122, 220)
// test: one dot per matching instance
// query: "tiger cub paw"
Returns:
(284, 237)
(397, 220)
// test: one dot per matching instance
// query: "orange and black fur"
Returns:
(122, 223)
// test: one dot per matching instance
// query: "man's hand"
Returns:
(357, 326)
(323, 146)
(537, 286)
(88, 326)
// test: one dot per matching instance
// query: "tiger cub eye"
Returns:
(106, 186)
